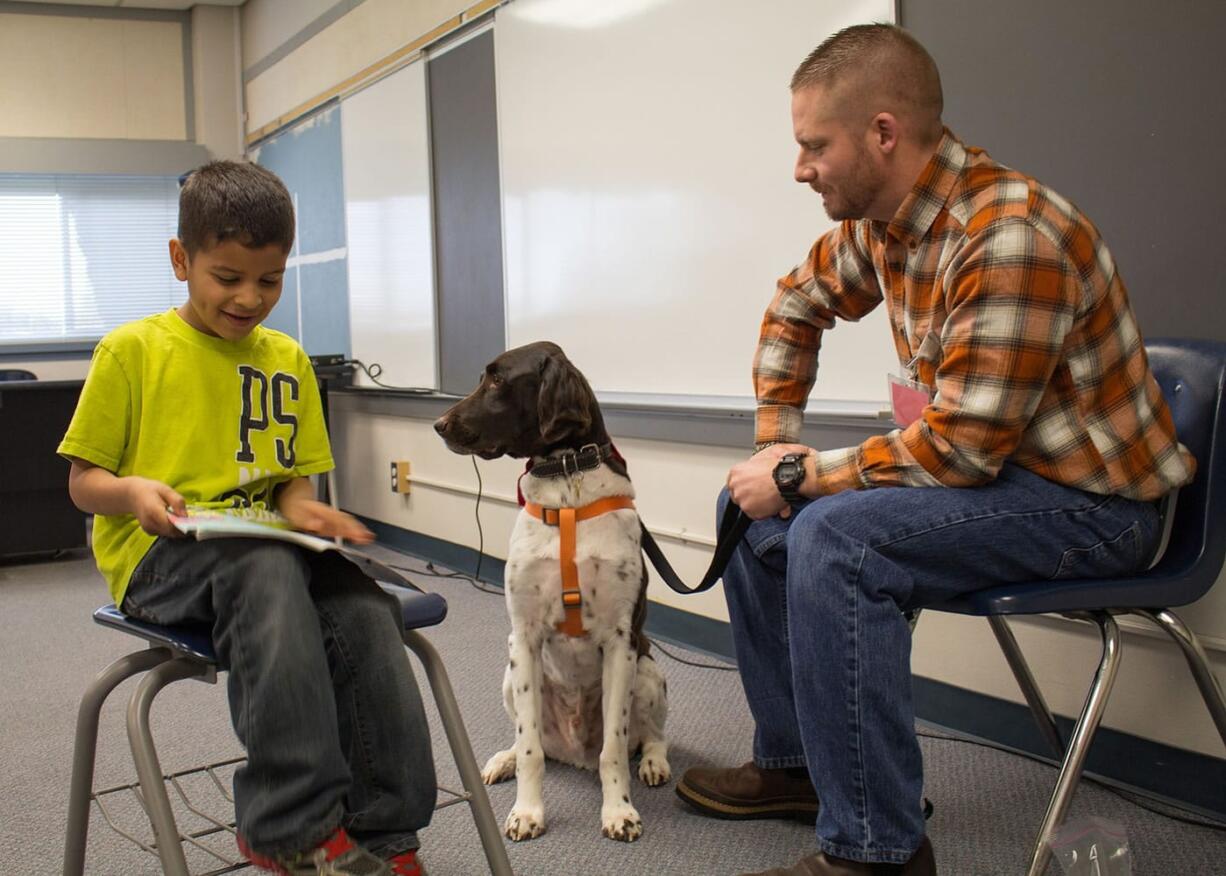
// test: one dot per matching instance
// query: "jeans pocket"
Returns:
(1115, 556)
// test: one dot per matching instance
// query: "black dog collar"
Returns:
(571, 462)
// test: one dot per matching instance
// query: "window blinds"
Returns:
(80, 255)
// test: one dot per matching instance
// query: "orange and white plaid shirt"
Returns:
(1004, 300)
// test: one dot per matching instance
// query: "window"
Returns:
(80, 255)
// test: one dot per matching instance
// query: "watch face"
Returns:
(790, 472)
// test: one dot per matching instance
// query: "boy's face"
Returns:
(231, 288)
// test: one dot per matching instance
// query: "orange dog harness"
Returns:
(565, 519)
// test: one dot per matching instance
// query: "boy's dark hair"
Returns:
(234, 200)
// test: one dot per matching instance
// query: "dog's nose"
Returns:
(441, 425)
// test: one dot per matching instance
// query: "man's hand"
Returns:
(752, 486)
(317, 518)
(151, 502)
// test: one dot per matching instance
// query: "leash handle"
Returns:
(731, 530)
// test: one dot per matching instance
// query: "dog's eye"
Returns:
(495, 379)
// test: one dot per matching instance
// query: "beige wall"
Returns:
(370, 32)
(217, 80)
(72, 76)
(68, 78)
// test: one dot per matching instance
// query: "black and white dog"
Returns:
(593, 696)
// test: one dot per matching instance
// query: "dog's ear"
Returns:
(564, 402)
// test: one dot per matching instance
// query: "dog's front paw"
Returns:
(621, 822)
(654, 770)
(499, 768)
(523, 824)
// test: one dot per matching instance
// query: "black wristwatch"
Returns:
(789, 474)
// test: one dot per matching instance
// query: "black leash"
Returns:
(731, 530)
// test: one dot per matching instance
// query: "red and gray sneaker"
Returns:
(338, 855)
(406, 864)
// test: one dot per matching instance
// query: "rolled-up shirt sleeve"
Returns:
(835, 281)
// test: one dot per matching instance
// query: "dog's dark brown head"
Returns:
(530, 401)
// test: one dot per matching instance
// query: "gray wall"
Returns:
(1117, 105)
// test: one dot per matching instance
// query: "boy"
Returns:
(202, 404)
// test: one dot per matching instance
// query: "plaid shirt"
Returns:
(1003, 298)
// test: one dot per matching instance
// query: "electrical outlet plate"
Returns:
(400, 476)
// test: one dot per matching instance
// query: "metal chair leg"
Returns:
(1079, 743)
(461, 750)
(85, 747)
(148, 769)
(1210, 688)
(1025, 680)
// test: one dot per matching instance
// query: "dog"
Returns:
(595, 698)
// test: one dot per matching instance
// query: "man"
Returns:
(1033, 442)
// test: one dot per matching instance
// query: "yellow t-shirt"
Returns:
(217, 420)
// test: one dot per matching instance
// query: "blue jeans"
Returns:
(321, 692)
(816, 604)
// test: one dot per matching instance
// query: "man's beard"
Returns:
(855, 195)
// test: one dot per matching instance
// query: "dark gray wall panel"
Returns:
(467, 212)
(1117, 105)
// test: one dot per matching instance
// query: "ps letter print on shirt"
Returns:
(258, 415)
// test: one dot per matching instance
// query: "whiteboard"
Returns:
(649, 205)
(386, 162)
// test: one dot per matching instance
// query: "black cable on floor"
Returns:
(431, 572)
(721, 667)
(475, 578)
(477, 514)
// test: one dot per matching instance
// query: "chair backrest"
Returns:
(17, 374)
(1192, 375)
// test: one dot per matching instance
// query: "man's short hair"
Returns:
(234, 200)
(882, 68)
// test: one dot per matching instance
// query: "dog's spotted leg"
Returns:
(501, 766)
(650, 711)
(527, 817)
(619, 819)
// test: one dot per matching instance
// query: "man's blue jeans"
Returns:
(817, 600)
(321, 692)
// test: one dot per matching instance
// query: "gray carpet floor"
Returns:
(988, 803)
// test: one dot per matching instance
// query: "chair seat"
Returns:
(1143, 591)
(417, 610)
(193, 641)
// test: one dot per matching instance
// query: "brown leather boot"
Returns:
(750, 792)
(922, 863)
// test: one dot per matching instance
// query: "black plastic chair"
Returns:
(1192, 375)
(17, 374)
(176, 653)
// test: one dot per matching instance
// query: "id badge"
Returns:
(908, 398)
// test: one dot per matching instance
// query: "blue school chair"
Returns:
(1192, 375)
(176, 653)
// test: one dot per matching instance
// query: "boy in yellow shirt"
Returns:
(203, 404)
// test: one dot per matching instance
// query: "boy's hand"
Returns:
(318, 518)
(151, 502)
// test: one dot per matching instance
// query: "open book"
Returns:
(208, 522)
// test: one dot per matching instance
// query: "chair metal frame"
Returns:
(177, 653)
(1192, 375)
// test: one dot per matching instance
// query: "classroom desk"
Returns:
(36, 513)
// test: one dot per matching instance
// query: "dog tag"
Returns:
(908, 398)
